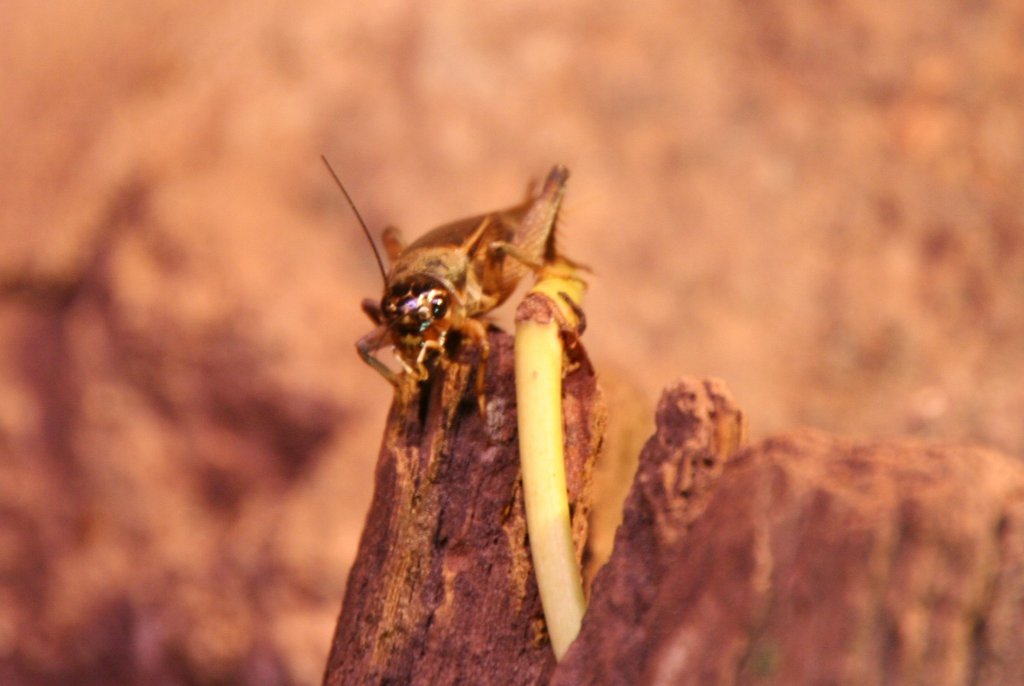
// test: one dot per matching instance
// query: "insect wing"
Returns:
(500, 227)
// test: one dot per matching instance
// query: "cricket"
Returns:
(440, 286)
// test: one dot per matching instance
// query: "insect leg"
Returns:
(581, 317)
(393, 243)
(372, 310)
(499, 248)
(420, 371)
(535, 235)
(416, 371)
(477, 330)
(371, 343)
(532, 242)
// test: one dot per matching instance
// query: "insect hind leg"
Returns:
(502, 248)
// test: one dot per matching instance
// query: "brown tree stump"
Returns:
(442, 590)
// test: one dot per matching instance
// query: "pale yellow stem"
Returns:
(538, 352)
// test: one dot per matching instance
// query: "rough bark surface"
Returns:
(812, 560)
(442, 590)
(698, 428)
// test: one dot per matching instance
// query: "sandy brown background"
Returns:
(821, 203)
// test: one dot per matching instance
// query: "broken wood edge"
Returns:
(699, 429)
(806, 558)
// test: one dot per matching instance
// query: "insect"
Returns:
(439, 286)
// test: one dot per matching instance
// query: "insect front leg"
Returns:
(476, 330)
(419, 368)
(371, 343)
(371, 308)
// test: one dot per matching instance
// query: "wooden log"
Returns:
(442, 590)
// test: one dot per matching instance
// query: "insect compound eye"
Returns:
(438, 305)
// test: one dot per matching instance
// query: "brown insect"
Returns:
(440, 285)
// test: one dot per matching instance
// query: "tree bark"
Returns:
(808, 559)
(442, 590)
(803, 559)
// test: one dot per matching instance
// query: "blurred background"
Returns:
(821, 203)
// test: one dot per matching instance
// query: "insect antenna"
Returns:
(380, 262)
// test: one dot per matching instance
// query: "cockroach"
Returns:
(441, 285)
